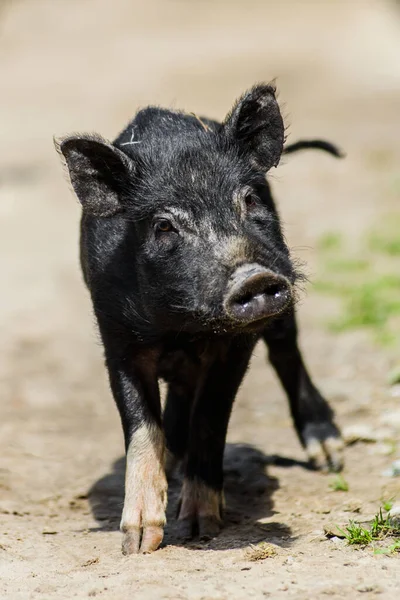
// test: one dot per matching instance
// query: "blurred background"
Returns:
(88, 65)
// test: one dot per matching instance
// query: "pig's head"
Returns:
(208, 254)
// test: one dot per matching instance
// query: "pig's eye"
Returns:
(250, 200)
(163, 226)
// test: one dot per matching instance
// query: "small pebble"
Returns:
(395, 391)
(392, 417)
(334, 531)
(395, 511)
(394, 515)
(336, 540)
(367, 588)
(352, 506)
(394, 470)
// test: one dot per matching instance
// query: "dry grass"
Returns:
(260, 551)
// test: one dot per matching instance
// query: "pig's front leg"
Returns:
(201, 503)
(312, 415)
(135, 388)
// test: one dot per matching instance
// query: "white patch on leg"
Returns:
(145, 490)
(325, 454)
(316, 452)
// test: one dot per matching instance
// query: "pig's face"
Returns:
(209, 252)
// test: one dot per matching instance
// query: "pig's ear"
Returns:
(256, 124)
(99, 172)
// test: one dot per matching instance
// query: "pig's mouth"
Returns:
(254, 295)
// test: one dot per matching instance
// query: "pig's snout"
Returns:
(256, 293)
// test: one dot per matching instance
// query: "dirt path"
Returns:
(87, 65)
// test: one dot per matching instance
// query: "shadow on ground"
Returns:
(248, 494)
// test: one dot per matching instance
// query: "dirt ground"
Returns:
(85, 65)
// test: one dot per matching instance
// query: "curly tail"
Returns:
(316, 144)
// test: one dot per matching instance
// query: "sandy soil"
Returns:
(87, 65)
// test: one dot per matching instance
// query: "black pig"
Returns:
(184, 257)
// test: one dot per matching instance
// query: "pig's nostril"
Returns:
(245, 298)
(274, 288)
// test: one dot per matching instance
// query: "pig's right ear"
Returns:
(255, 124)
(99, 172)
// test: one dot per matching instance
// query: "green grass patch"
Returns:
(339, 484)
(388, 549)
(367, 281)
(382, 528)
(386, 239)
(356, 534)
(346, 265)
(388, 504)
(386, 245)
(331, 240)
(371, 303)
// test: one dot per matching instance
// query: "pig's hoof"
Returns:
(324, 446)
(144, 540)
(205, 528)
(200, 511)
(209, 527)
(143, 517)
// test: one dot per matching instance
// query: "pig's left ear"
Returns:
(100, 173)
(255, 123)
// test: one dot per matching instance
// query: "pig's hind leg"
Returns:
(185, 368)
(201, 503)
(311, 413)
(176, 422)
